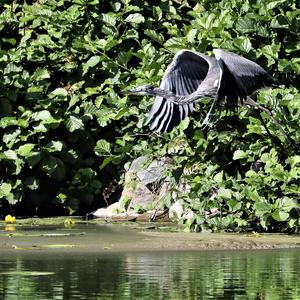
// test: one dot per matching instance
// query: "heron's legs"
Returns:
(252, 103)
(207, 117)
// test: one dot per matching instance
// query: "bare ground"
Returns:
(104, 237)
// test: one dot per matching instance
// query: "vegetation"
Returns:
(66, 132)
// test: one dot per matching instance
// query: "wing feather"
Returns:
(241, 76)
(182, 77)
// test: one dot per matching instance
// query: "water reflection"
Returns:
(177, 275)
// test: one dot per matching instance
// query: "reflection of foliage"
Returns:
(66, 133)
(178, 275)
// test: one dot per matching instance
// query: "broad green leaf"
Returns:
(109, 19)
(73, 123)
(5, 189)
(10, 154)
(243, 43)
(262, 208)
(8, 121)
(174, 43)
(224, 193)
(124, 57)
(26, 150)
(287, 204)
(41, 115)
(135, 18)
(93, 61)
(59, 92)
(40, 74)
(219, 177)
(239, 154)
(154, 35)
(280, 216)
(245, 24)
(102, 146)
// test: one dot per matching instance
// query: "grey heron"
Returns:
(192, 76)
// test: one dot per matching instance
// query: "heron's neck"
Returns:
(191, 98)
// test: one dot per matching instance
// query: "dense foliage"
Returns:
(66, 132)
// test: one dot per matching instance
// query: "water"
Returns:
(272, 274)
(37, 263)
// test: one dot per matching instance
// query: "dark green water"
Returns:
(272, 274)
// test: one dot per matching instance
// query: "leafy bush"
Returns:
(67, 132)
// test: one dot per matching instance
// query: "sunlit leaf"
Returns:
(102, 146)
(5, 189)
(135, 18)
(73, 123)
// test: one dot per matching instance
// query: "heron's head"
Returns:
(146, 89)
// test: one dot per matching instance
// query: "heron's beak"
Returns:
(133, 91)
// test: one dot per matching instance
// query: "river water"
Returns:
(262, 274)
(59, 274)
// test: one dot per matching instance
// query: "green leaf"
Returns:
(175, 43)
(59, 92)
(41, 115)
(154, 35)
(5, 189)
(92, 62)
(280, 216)
(40, 74)
(219, 177)
(279, 22)
(224, 193)
(109, 19)
(239, 154)
(73, 123)
(102, 146)
(262, 208)
(54, 146)
(135, 18)
(124, 57)
(287, 204)
(25, 150)
(10, 154)
(243, 43)
(245, 24)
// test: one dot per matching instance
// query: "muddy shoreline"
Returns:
(99, 237)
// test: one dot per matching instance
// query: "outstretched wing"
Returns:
(182, 77)
(240, 77)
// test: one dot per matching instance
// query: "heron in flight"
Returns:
(193, 76)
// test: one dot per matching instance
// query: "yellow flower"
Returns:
(10, 219)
